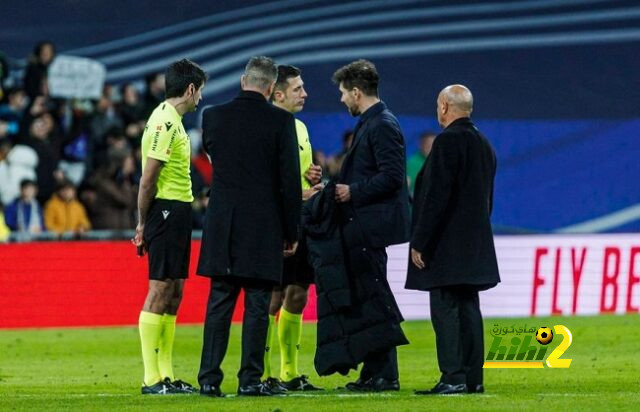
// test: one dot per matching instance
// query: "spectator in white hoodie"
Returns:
(17, 163)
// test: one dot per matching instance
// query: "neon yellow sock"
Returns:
(150, 327)
(165, 363)
(269, 346)
(289, 333)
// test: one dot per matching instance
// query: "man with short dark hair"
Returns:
(255, 214)
(155, 88)
(373, 186)
(291, 298)
(11, 113)
(164, 223)
(24, 214)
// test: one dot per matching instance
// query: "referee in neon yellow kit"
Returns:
(164, 226)
(289, 94)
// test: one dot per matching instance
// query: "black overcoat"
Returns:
(256, 195)
(452, 209)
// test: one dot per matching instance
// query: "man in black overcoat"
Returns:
(452, 251)
(373, 185)
(254, 210)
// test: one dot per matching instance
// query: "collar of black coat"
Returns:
(460, 121)
(372, 111)
(251, 95)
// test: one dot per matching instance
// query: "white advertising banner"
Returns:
(544, 275)
(76, 77)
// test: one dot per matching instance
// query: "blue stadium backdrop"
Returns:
(556, 82)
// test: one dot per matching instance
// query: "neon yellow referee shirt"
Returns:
(306, 156)
(164, 139)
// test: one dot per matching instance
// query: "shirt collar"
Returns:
(172, 110)
(372, 111)
(461, 120)
(251, 95)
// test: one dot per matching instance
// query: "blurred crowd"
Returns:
(69, 165)
(73, 165)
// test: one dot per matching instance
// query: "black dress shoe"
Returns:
(374, 385)
(258, 389)
(475, 388)
(382, 384)
(357, 386)
(211, 390)
(444, 389)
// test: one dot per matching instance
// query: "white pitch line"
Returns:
(570, 394)
(70, 395)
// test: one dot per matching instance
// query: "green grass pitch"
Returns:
(101, 369)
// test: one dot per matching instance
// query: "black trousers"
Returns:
(382, 364)
(222, 300)
(457, 322)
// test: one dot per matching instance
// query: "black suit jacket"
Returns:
(454, 201)
(375, 170)
(256, 196)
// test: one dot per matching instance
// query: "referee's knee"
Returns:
(296, 299)
(159, 297)
(173, 304)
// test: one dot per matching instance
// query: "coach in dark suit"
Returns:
(373, 185)
(254, 211)
(452, 251)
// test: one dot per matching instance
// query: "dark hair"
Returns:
(37, 49)
(150, 78)
(5, 143)
(179, 75)
(125, 86)
(260, 72)
(285, 72)
(13, 90)
(361, 74)
(27, 182)
(64, 184)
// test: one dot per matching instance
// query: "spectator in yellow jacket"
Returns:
(64, 213)
(4, 229)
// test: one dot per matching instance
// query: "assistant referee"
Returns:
(164, 226)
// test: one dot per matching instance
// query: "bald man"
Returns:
(452, 251)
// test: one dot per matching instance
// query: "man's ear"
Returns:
(444, 107)
(271, 88)
(357, 93)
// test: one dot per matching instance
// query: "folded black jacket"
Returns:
(357, 313)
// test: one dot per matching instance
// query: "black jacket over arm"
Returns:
(452, 206)
(256, 195)
(375, 170)
(357, 315)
